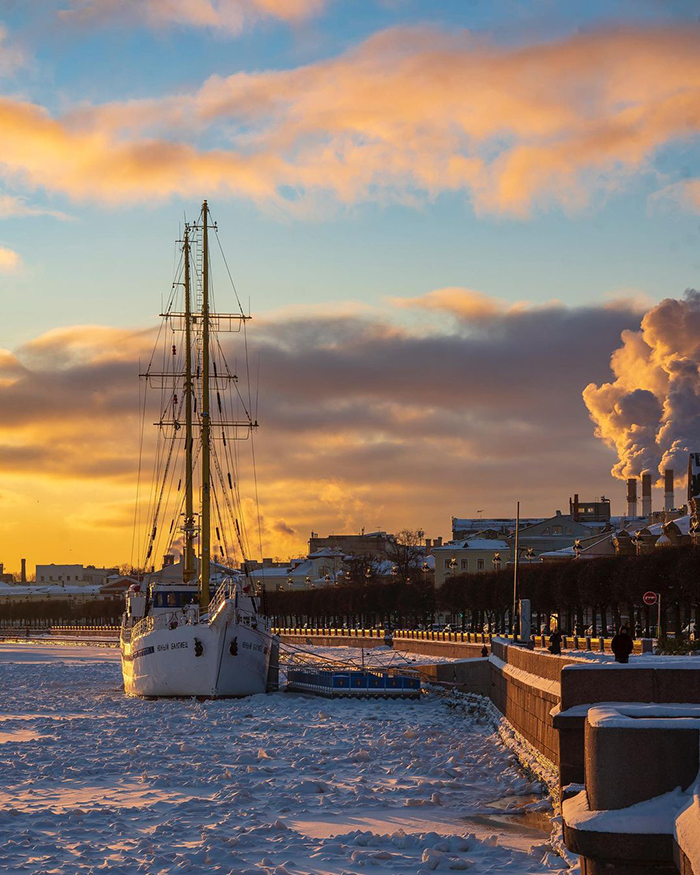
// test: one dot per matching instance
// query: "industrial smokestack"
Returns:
(669, 496)
(631, 498)
(23, 575)
(646, 495)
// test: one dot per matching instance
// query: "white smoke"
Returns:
(650, 413)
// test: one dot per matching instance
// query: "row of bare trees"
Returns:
(598, 594)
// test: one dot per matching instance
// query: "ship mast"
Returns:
(188, 573)
(205, 535)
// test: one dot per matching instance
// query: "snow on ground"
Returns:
(355, 657)
(92, 781)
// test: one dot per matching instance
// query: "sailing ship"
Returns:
(197, 628)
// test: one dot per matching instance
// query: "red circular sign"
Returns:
(649, 598)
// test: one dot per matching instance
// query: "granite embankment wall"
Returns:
(526, 687)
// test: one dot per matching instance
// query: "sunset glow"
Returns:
(445, 217)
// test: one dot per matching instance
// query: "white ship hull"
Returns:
(233, 660)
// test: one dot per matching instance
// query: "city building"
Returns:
(76, 575)
(494, 527)
(552, 534)
(365, 544)
(597, 511)
(468, 556)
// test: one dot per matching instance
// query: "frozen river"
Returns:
(94, 782)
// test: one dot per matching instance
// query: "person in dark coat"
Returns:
(622, 645)
(484, 651)
(555, 643)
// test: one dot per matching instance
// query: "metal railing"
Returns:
(166, 620)
(319, 631)
(227, 590)
(568, 642)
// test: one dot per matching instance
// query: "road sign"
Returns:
(649, 598)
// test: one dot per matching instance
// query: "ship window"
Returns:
(173, 599)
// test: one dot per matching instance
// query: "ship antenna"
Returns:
(188, 574)
(205, 535)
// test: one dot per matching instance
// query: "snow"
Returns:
(279, 784)
(526, 677)
(638, 710)
(638, 716)
(653, 817)
(637, 660)
(352, 657)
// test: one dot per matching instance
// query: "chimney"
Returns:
(669, 497)
(428, 544)
(168, 559)
(23, 574)
(631, 498)
(438, 542)
(646, 495)
(574, 508)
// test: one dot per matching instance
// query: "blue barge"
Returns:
(336, 684)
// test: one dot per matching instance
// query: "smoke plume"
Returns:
(650, 413)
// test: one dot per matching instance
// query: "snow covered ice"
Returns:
(93, 781)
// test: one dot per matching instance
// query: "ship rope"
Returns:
(163, 505)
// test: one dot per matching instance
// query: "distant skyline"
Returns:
(444, 215)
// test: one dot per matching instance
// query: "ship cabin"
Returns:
(172, 596)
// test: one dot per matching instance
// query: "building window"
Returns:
(465, 564)
(479, 564)
(557, 530)
(447, 563)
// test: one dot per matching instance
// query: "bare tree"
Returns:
(407, 552)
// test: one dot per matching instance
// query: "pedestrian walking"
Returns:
(555, 643)
(622, 645)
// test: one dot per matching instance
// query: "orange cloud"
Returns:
(226, 15)
(466, 304)
(362, 424)
(9, 260)
(408, 114)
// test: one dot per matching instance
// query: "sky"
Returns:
(444, 214)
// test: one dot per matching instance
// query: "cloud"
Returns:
(9, 260)
(13, 206)
(405, 116)
(684, 194)
(11, 55)
(650, 412)
(471, 306)
(363, 423)
(230, 16)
